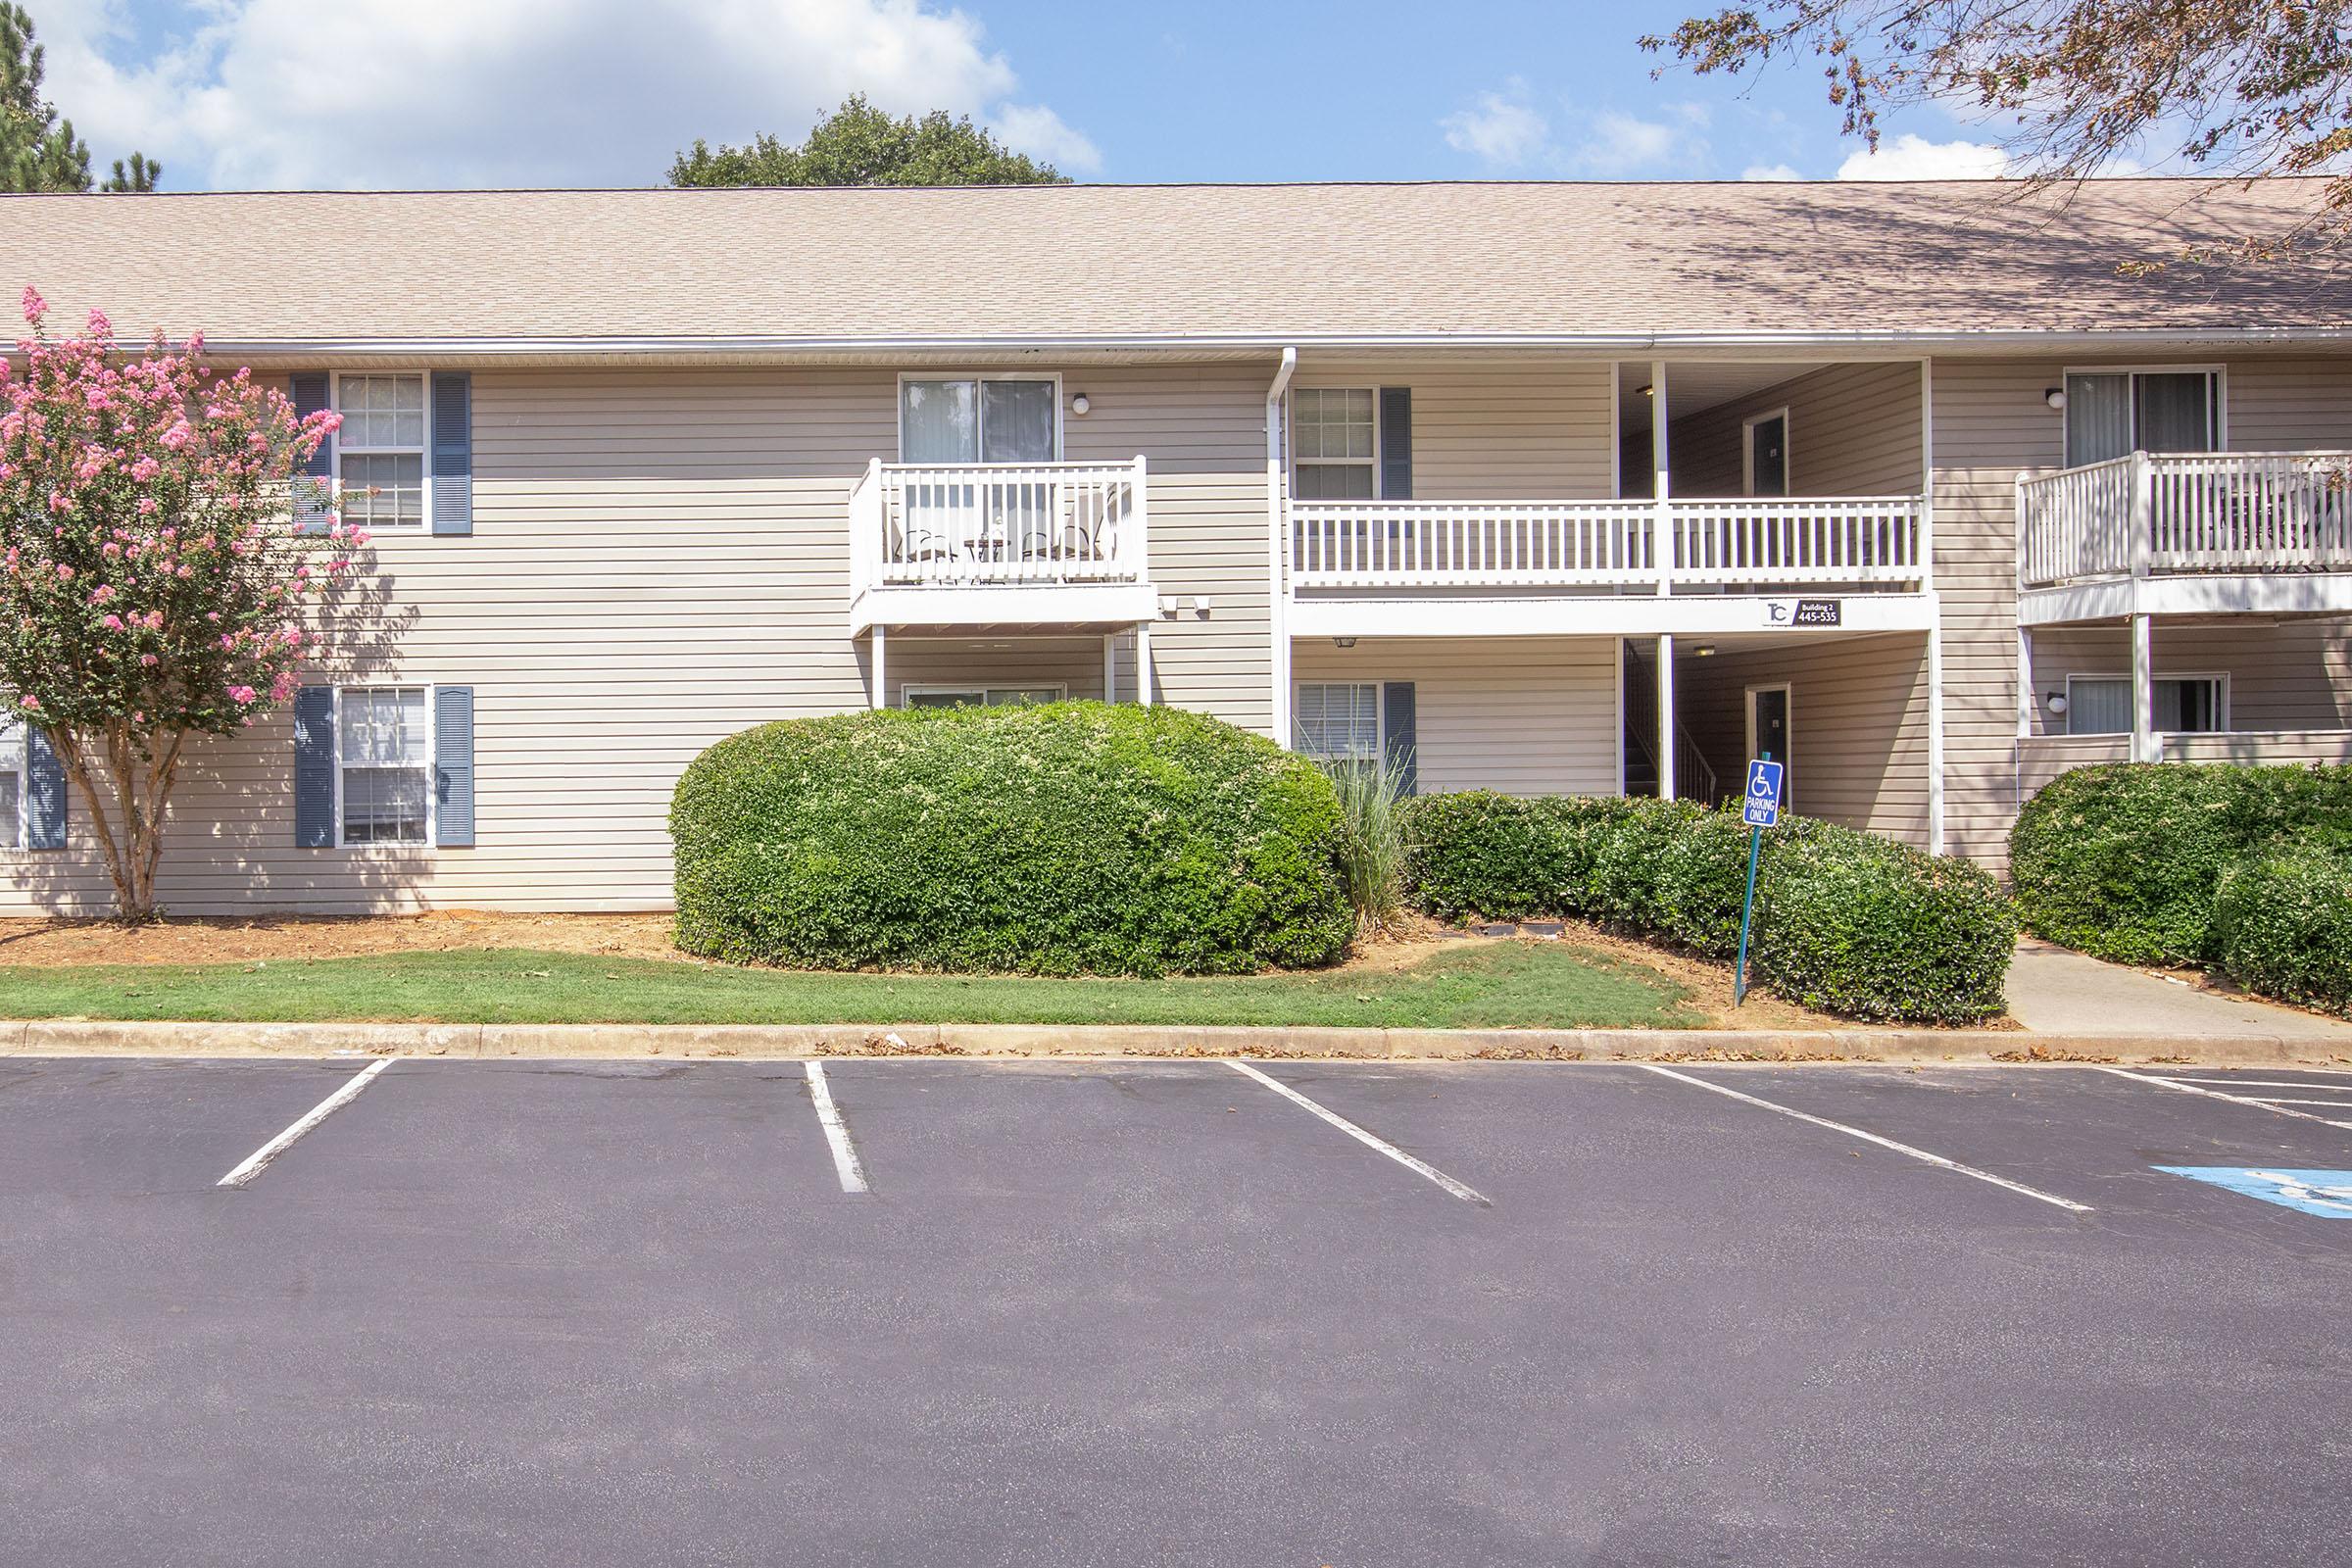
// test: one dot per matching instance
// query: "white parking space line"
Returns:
(259, 1160)
(837, 1131)
(1920, 1154)
(2187, 1088)
(1420, 1167)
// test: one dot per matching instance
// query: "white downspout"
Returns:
(1278, 550)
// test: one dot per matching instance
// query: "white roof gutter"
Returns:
(1626, 344)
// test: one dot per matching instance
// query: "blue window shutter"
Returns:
(1395, 443)
(308, 391)
(452, 766)
(315, 767)
(452, 452)
(44, 792)
(1396, 718)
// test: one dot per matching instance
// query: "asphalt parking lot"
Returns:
(937, 1312)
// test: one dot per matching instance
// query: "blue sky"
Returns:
(381, 93)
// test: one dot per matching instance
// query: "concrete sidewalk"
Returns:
(2056, 991)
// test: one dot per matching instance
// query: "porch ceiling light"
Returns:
(1342, 641)
(1704, 651)
(1650, 391)
(2055, 397)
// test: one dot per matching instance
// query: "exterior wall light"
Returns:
(1079, 404)
(2056, 701)
(2055, 397)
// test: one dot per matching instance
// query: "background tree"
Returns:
(38, 151)
(2071, 88)
(859, 144)
(154, 586)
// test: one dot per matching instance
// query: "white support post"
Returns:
(1143, 662)
(1665, 715)
(1661, 514)
(1278, 553)
(1935, 736)
(880, 695)
(1618, 708)
(2024, 683)
(2143, 501)
(2143, 690)
(1926, 475)
(1110, 667)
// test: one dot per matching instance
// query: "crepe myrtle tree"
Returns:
(156, 583)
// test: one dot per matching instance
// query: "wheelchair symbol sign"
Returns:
(1762, 806)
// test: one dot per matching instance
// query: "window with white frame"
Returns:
(979, 419)
(383, 764)
(1339, 721)
(379, 450)
(2113, 413)
(980, 696)
(2185, 705)
(11, 783)
(1336, 439)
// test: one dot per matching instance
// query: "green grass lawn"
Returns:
(1501, 986)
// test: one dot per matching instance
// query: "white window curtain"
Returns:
(2098, 707)
(2098, 419)
(2175, 412)
(1016, 421)
(939, 422)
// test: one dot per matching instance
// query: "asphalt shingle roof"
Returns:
(1111, 262)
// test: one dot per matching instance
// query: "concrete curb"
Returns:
(756, 1041)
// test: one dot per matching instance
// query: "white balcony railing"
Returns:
(2187, 512)
(1743, 542)
(997, 525)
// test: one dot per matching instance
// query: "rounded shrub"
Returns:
(2282, 925)
(1845, 921)
(1067, 838)
(2122, 860)
(1864, 926)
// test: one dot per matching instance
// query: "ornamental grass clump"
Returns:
(1374, 839)
(154, 585)
(1062, 838)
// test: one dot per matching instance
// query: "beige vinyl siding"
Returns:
(660, 559)
(1853, 431)
(1524, 716)
(2293, 675)
(1858, 724)
(1501, 429)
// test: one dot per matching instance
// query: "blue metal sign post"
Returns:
(1759, 808)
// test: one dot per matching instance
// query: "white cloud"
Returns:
(1503, 128)
(1038, 131)
(1912, 156)
(1627, 144)
(389, 93)
(1770, 171)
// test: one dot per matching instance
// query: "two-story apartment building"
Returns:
(1579, 488)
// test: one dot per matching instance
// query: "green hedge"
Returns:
(2282, 925)
(1845, 921)
(1067, 838)
(2122, 860)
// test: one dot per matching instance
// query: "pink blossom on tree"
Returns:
(151, 565)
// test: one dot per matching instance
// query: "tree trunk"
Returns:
(140, 778)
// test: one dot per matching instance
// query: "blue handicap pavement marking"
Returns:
(1762, 806)
(2324, 1193)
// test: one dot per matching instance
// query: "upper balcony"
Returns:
(1637, 498)
(997, 544)
(2186, 533)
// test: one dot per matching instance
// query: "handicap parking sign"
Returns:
(1762, 805)
(2324, 1193)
